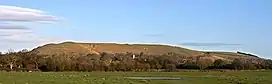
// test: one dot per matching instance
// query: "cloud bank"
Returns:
(11, 34)
(4, 35)
(13, 13)
(12, 27)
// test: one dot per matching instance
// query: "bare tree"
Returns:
(11, 60)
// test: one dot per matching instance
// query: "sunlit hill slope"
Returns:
(151, 49)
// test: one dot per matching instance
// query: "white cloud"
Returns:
(15, 31)
(13, 13)
(14, 8)
(14, 36)
(24, 38)
(29, 44)
(2, 35)
(27, 41)
(12, 27)
(18, 40)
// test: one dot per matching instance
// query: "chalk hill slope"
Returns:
(97, 48)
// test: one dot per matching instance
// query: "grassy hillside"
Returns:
(97, 48)
(71, 47)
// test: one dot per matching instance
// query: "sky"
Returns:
(222, 25)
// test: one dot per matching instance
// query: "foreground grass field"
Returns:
(243, 77)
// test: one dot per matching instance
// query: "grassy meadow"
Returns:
(239, 77)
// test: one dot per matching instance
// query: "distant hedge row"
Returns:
(26, 61)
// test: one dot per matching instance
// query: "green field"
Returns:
(242, 77)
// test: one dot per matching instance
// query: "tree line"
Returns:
(30, 61)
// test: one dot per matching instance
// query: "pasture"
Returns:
(233, 77)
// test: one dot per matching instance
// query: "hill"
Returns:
(151, 49)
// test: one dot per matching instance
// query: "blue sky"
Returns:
(227, 25)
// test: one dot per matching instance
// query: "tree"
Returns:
(237, 64)
(171, 67)
(204, 63)
(84, 63)
(219, 63)
(121, 67)
(11, 60)
(188, 64)
(33, 59)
